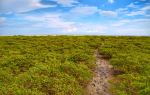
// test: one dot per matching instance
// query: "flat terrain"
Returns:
(67, 65)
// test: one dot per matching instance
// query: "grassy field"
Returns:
(62, 65)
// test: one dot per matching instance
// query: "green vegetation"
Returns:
(62, 65)
(130, 57)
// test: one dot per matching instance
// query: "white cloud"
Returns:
(134, 22)
(2, 20)
(125, 10)
(8, 6)
(146, 8)
(91, 28)
(66, 3)
(135, 13)
(51, 20)
(132, 31)
(132, 5)
(134, 10)
(130, 27)
(121, 22)
(54, 21)
(108, 13)
(84, 10)
(122, 10)
(142, 0)
(111, 1)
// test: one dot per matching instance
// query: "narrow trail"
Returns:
(103, 73)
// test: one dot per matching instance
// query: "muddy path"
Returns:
(100, 83)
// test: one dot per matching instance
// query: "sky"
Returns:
(75, 17)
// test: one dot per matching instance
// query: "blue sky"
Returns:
(75, 17)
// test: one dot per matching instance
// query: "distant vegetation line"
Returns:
(63, 65)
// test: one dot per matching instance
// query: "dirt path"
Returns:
(99, 84)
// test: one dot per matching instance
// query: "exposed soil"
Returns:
(100, 83)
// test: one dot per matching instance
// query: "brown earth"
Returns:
(103, 73)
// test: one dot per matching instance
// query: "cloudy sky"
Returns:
(77, 17)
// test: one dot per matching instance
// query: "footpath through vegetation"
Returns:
(102, 74)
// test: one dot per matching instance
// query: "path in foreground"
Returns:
(99, 84)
